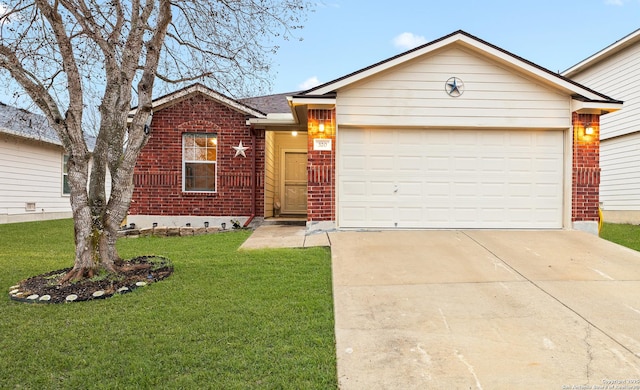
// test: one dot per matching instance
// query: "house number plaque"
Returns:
(321, 144)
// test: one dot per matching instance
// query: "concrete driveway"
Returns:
(485, 310)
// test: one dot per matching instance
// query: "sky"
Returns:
(343, 36)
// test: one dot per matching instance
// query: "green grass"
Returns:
(623, 234)
(226, 319)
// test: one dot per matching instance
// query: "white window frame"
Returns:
(65, 174)
(186, 161)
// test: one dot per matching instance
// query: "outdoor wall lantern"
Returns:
(321, 127)
(294, 133)
(588, 129)
(587, 132)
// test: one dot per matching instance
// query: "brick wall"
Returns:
(586, 168)
(321, 186)
(158, 173)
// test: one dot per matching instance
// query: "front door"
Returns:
(295, 182)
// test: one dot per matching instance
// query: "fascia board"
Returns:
(594, 107)
(514, 62)
(610, 50)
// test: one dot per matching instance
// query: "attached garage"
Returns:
(450, 178)
(454, 134)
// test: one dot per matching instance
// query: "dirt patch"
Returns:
(45, 288)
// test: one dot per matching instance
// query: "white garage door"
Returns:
(450, 178)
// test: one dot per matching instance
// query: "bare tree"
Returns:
(63, 53)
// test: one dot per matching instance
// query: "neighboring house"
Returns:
(33, 182)
(615, 70)
(456, 133)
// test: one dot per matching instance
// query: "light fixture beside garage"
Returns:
(588, 129)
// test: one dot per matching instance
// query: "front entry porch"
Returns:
(285, 175)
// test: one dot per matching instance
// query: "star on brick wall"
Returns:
(240, 150)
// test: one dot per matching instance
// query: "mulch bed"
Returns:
(45, 288)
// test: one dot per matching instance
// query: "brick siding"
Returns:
(158, 172)
(321, 168)
(586, 168)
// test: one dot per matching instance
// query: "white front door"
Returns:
(450, 178)
(294, 182)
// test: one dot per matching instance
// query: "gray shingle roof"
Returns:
(26, 124)
(23, 123)
(275, 104)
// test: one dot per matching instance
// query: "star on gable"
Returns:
(454, 87)
(240, 150)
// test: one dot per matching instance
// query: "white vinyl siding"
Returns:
(417, 178)
(620, 179)
(414, 95)
(618, 77)
(30, 172)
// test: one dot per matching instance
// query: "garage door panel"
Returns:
(450, 178)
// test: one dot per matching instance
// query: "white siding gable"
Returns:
(617, 76)
(413, 95)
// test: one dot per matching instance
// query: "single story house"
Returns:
(456, 133)
(33, 182)
(616, 70)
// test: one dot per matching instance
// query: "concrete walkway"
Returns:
(284, 236)
(485, 310)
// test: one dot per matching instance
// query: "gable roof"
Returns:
(578, 91)
(276, 103)
(25, 124)
(186, 92)
(603, 54)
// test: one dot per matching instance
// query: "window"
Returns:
(199, 162)
(66, 188)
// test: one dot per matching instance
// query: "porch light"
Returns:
(588, 129)
(294, 133)
(321, 127)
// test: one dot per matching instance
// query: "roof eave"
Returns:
(583, 106)
(169, 99)
(608, 51)
(471, 42)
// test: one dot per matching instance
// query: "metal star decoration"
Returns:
(454, 87)
(240, 150)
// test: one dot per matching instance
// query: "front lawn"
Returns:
(225, 319)
(623, 234)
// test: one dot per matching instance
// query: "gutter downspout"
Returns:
(253, 178)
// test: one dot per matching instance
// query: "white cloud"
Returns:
(408, 40)
(309, 83)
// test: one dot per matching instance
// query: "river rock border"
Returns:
(24, 294)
